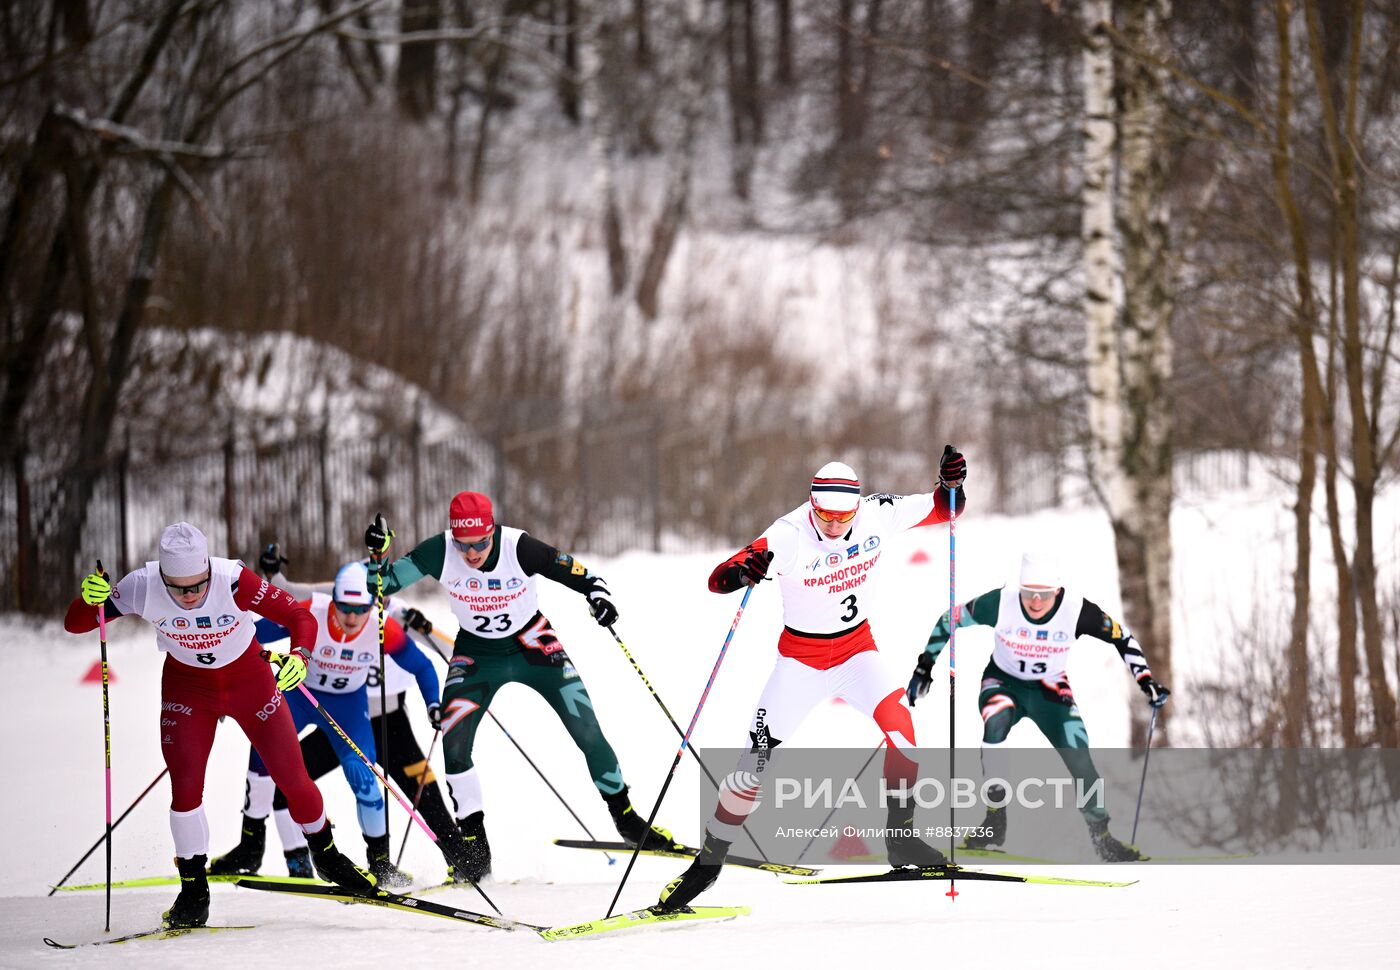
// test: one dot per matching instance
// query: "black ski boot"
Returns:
(700, 876)
(191, 907)
(385, 873)
(244, 859)
(332, 865)
(1109, 848)
(473, 851)
(299, 863)
(903, 847)
(633, 828)
(993, 827)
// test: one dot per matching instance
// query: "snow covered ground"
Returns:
(1284, 916)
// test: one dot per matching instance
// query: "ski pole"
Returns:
(955, 614)
(381, 776)
(104, 838)
(528, 760)
(873, 753)
(685, 742)
(106, 744)
(383, 526)
(418, 795)
(492, 714)
(1151, 724)
(664, 710)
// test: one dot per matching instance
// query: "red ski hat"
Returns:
(471, 515)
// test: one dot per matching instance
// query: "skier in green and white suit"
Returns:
(1035, 626)
(489, 572)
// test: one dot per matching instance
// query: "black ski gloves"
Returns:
(1156, 694)
(415, 620)
(923, 676)
(753, 568)
(952, 470)
(271, 561)
(600, 602)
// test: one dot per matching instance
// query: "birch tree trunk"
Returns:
(1102, 296)
(1129, 344)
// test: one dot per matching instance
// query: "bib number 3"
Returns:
(852, 610)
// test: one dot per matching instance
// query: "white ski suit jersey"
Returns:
(213, 634)
(825, 582)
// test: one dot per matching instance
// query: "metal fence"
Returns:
(603, 488)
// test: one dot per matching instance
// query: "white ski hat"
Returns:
(1040, 569)
(352, 585)
(183, 550)
(835, 487)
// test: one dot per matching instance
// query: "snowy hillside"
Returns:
(1211, 916)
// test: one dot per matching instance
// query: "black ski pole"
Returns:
(873, 753)
(528, 760)
(418, 795)
(685, 742)
(1151, 725)
(664, 710)
(106, 744)
(381, 555)
(103, 837)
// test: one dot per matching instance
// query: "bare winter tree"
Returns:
(417, 71)
(598, 57)
(1365, 385)
(1327, 154)
(698, 41)
(188, 65)
(1306, 321)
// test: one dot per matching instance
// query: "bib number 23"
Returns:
(498, 623)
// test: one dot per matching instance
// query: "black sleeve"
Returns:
(1094, 622)
(541, 559)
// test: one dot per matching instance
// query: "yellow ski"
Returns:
(642, 917)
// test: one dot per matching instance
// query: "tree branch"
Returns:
(132, 141)
(289, 43)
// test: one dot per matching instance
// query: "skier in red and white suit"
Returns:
(823, 555)
(203, 611)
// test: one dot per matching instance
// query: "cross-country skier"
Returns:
(823, 554)
(346, 650)
(203, 611)
(490, 573)
(408, 766)
(1035, 625)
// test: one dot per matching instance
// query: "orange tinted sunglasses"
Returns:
(842, 517)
